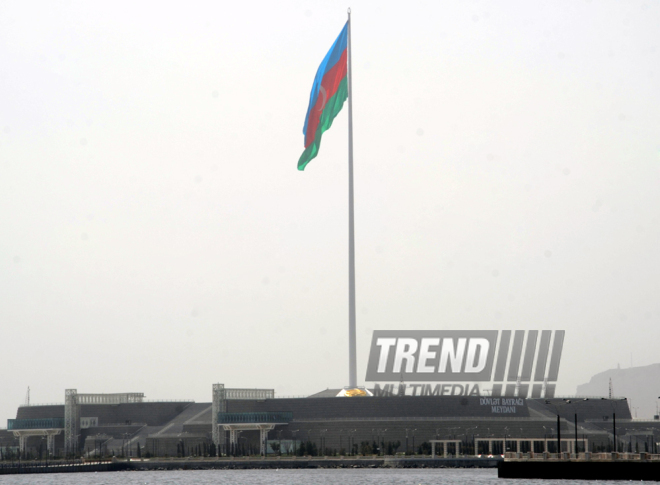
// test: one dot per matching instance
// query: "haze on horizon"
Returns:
(157, 237)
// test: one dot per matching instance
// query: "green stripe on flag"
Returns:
(331, 110)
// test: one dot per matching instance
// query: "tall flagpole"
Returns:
(352, 371)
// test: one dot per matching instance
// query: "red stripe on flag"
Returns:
(330, 84)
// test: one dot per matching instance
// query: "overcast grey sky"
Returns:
(157, 237)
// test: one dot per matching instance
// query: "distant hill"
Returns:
(641, 385)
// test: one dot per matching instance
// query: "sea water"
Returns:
(356, 476)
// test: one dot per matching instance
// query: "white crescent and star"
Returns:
(325, 97)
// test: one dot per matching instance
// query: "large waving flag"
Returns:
(329, 91)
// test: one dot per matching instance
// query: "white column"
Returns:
(352, 359)
(218, 405)
(50, 442)
(22, 442)
(71, 420)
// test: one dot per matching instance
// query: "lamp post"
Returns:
(351, 441)
(576, 436)
(294, 434)
(381, 442)
(450, 435)
(322, 433)
(613, 404)
(459, 446)
(97, 442)
(266, 443)
(127, 444)
(547, 401)
(474, 452)
(568, 401)
(552, 430)
(576, 427)
(558, 436)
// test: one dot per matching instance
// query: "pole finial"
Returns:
(349, 10)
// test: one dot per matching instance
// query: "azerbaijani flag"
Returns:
(329, 91)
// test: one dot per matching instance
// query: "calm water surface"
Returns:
(285, 477)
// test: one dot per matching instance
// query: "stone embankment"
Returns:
(246, 464)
